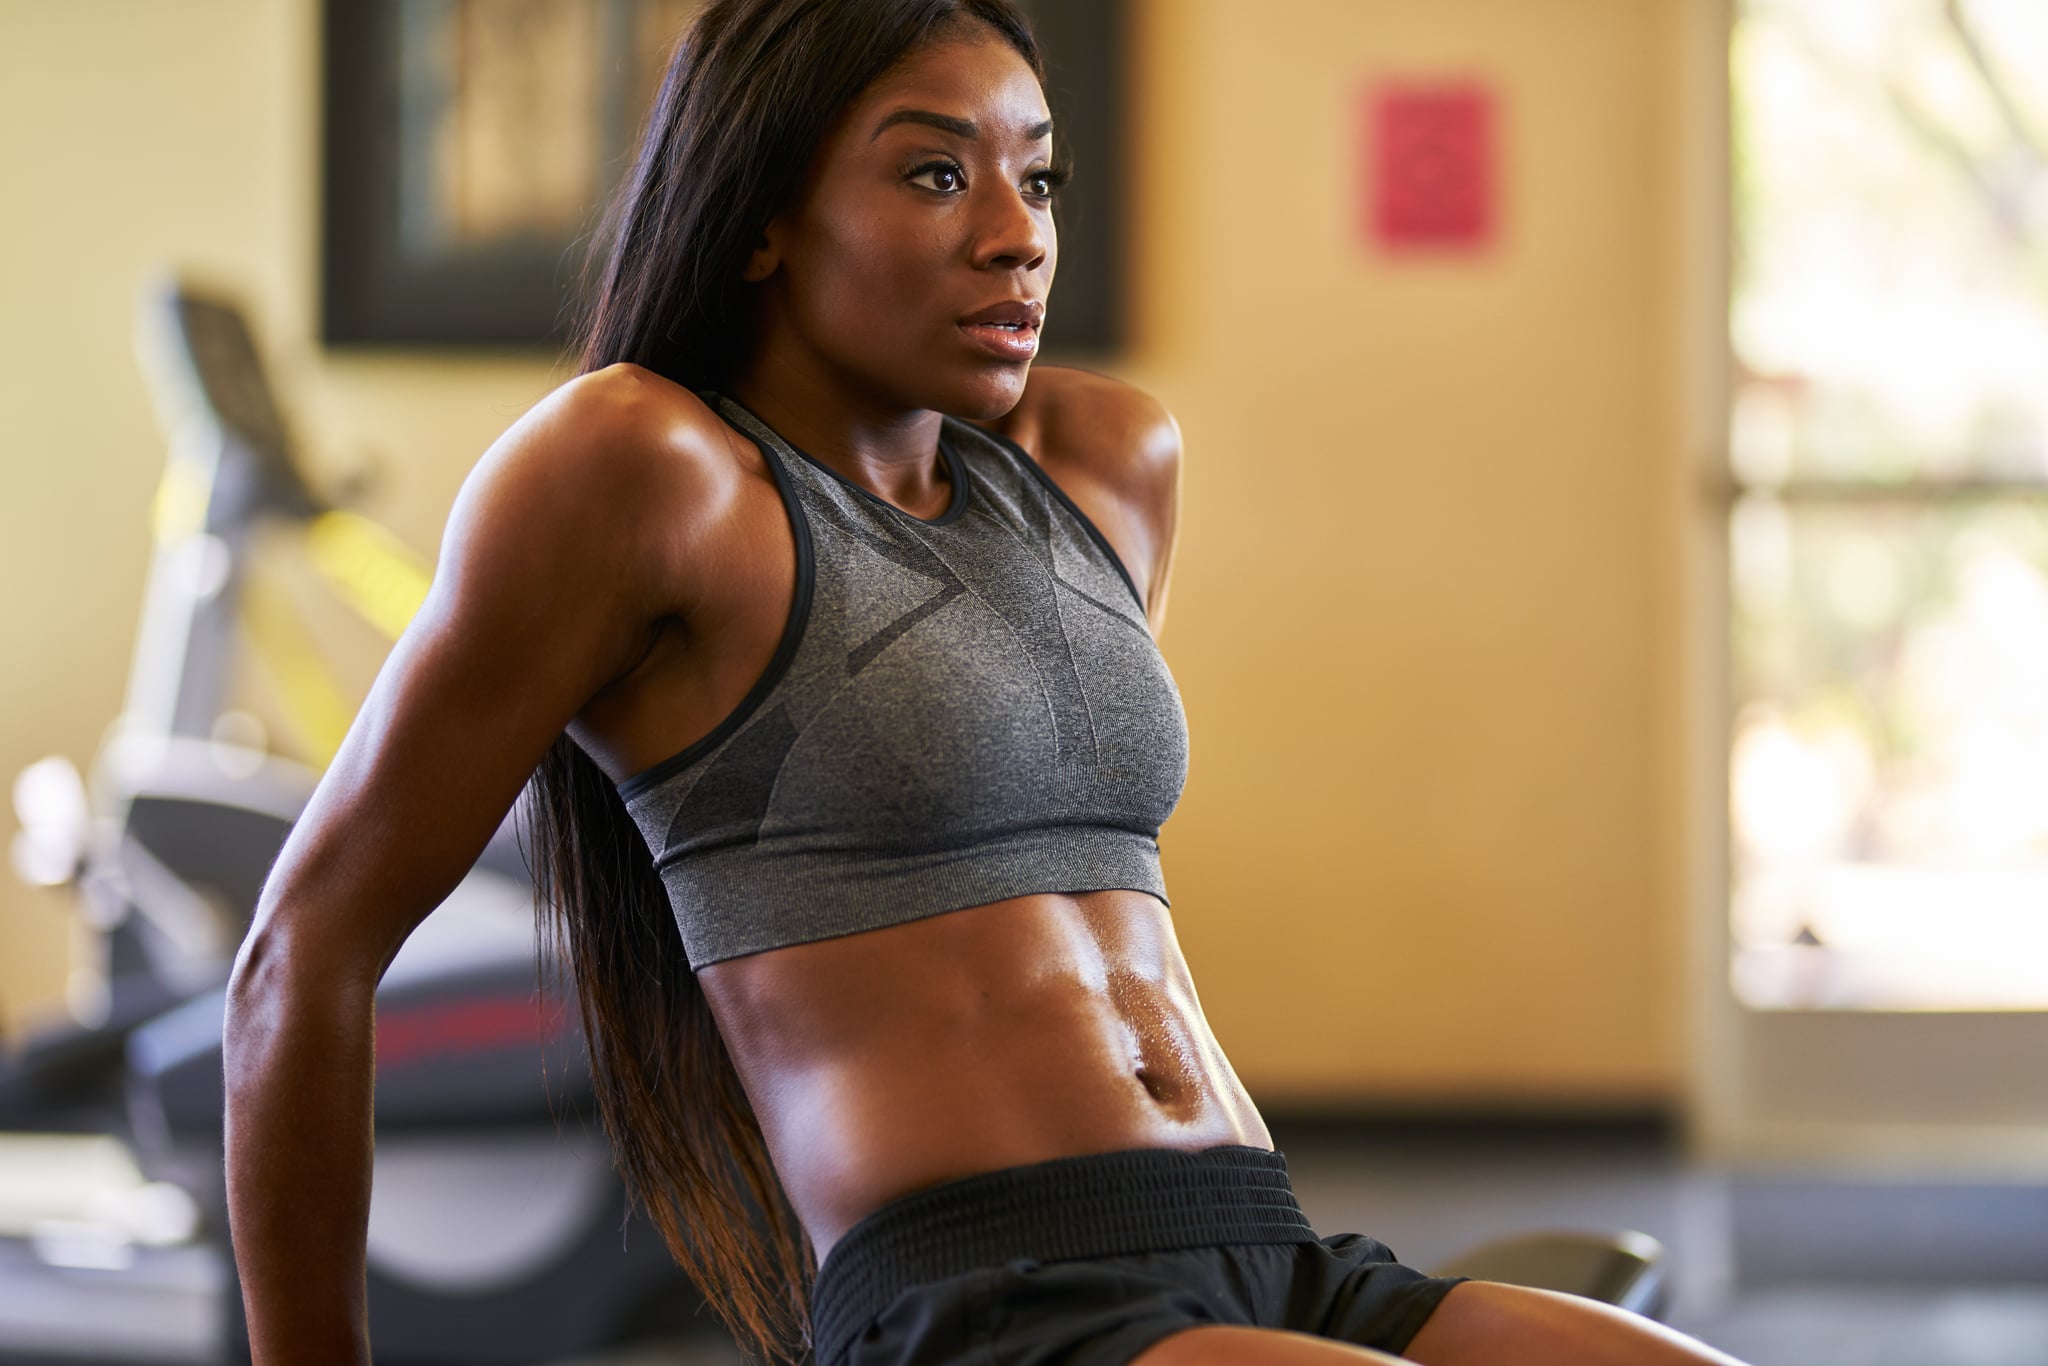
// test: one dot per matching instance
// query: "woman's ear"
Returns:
(766, 256)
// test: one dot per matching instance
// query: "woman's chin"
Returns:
(989, 395)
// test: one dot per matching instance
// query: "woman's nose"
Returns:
(1011, 234)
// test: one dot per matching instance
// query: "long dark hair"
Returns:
(747, 97)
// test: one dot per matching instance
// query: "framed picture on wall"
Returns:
(469, 146)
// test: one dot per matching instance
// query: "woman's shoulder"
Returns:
(618, 462)
(1080, 425)
(617, 439)
(1115, 450)
(628, 415)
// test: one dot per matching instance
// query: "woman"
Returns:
(877, 689)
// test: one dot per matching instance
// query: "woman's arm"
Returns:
(543, 594)
(1115, 450)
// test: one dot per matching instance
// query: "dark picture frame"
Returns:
(400, 267)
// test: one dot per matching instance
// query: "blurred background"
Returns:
(1611, 608)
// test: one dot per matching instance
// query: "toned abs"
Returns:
(1041, 1027)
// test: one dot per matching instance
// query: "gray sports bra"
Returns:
(960, 710)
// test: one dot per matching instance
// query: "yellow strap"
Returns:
(179, 509)
(376, 573)
(313, 704)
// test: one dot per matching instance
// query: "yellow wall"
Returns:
(1419, 622)
(1423, 619)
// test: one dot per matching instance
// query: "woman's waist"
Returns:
(849, 1137)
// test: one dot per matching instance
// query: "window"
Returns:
(1889, 517)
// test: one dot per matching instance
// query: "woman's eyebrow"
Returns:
(965, 128)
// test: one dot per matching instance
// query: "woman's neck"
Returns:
(890, 450)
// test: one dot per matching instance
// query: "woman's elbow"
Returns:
(273, 992)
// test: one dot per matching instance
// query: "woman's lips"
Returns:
(1007, 328)
(1014, 341)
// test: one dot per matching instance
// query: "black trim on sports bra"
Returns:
(785, 649)
(1094, 532)
(956, 470)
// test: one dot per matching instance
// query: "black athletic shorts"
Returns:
(1090, 1260)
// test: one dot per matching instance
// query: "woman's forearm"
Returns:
(300, 1081)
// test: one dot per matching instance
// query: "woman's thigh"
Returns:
(1481, 1323)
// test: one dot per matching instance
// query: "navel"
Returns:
(1160, 1088)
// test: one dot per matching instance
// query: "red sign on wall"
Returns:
(1430, 166)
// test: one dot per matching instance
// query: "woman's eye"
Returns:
(1046, 183)
(943, 176)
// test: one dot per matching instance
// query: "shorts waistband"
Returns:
(1102, 1205)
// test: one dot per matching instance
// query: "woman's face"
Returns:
(914, 266)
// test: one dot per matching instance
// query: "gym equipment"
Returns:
(497, 1226)
(1621, 1267)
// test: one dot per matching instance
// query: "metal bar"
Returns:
(1719, 488)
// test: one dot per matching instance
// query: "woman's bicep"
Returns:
(1156, 486)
